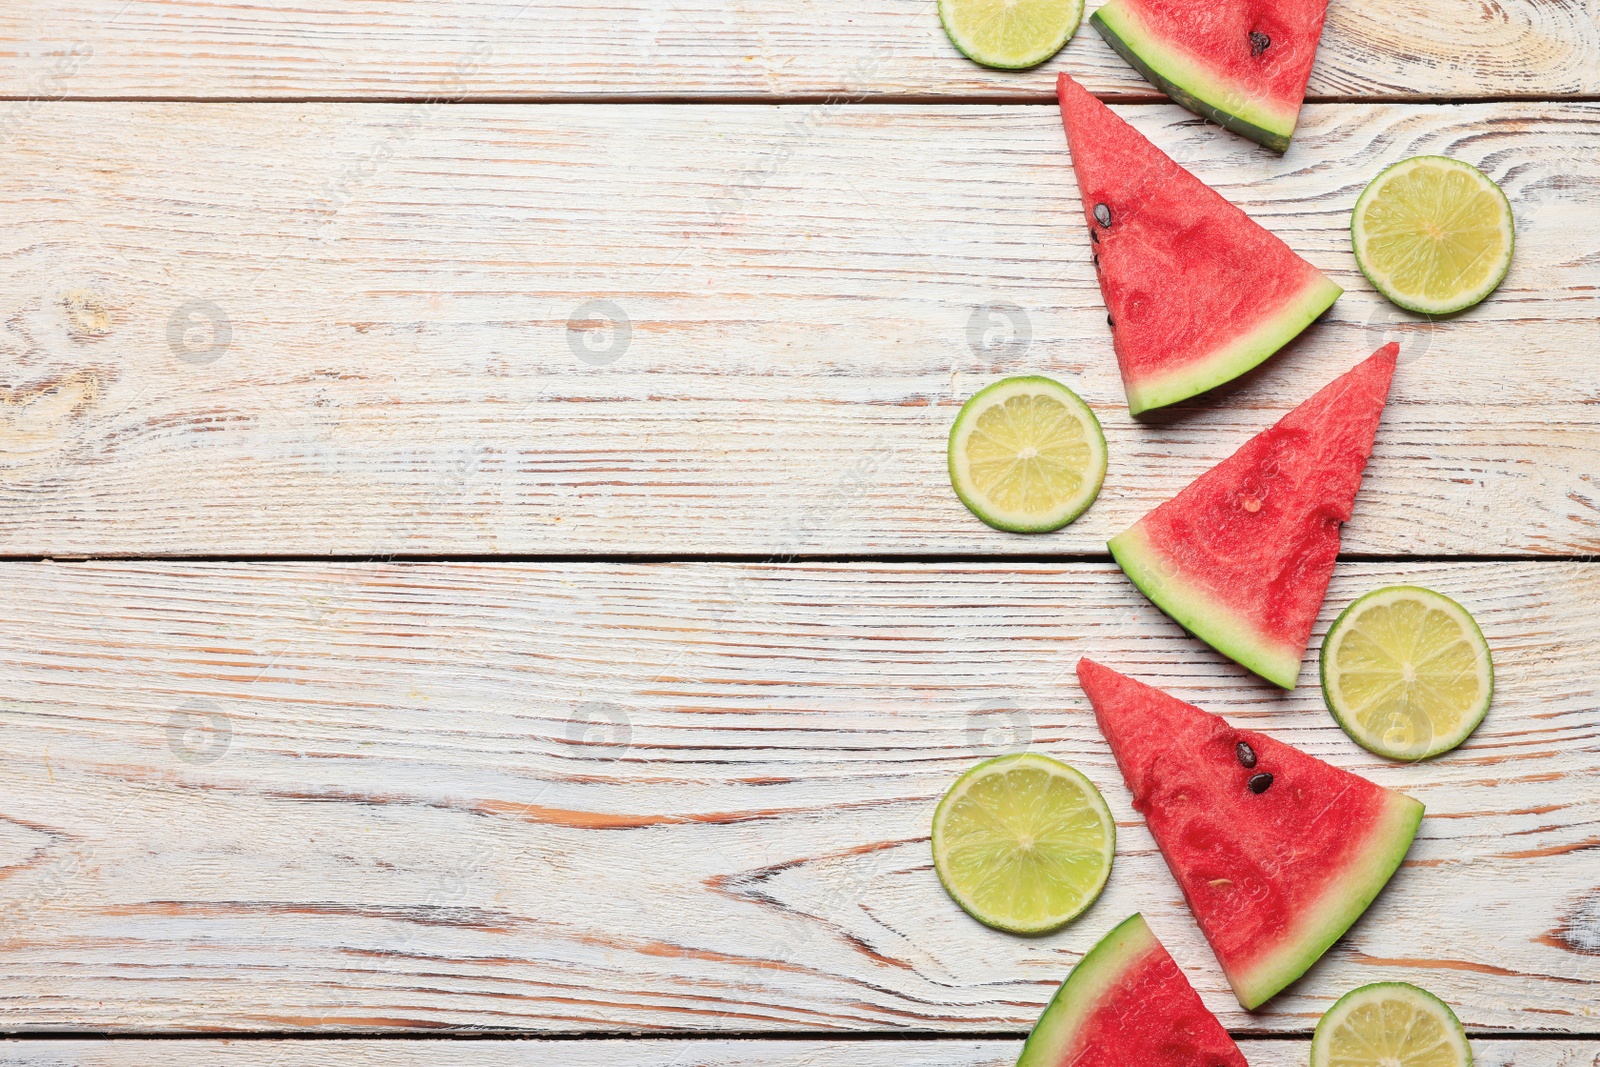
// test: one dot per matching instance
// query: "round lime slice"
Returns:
(1027, 455)
(1433, 234)
(1010, 34)
(1407, 673)
(1390, 1024)
(1023, 843)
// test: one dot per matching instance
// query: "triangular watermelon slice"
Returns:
(1197, 292)
(1241, 63)
(1276, 852)
(1126, 1003)
(1242, 556)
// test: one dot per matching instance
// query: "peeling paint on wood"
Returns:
(437, 53)
(222, 1052)
(1581, 932)
(688, 797)
(585, 329)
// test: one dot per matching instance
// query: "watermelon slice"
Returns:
(1242, 556)
(1126, 1003)
(1197, 292)
(1241, 63)
(1276, 852)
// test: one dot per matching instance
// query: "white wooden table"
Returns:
(479, 560)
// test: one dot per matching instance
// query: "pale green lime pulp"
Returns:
(1028, 454)
(1390, 1025)
(1010, 34)
(1024, 845)
(1407, 672)
(1433, 234)
(1388, 1033)
(1436, 236)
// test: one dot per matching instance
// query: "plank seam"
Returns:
(747, 558)
(840, 98)
(573, 1037)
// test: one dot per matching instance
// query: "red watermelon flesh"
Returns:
(1126, 1002)
(1197, 292)
(1274, 876)
(1242, 556)
(1241, 63)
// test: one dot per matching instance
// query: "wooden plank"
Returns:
(514, 49)
(688, 797)
(661, 1053)
(381, 329)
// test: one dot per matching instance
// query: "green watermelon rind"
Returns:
(1347, 897)
(1081, 994)
(1241, 355)
(1190, 84)
(1198, 612)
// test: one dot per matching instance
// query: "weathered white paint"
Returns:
(589, 797)
(370, 329)
(657, 1053)
(544, 49)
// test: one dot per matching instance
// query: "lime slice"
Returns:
(1023, 843)
(1407, 672)
(1390, 1024)
(1433, 234)
(1010, 34)
(1027, 455)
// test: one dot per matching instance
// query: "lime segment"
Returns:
(1433, 234)
(1407, 673)
(1390, 1024)
(1027, 455)
(1023, 843)
(1010, 34)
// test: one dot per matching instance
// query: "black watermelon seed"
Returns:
(1094, 236)
(1259, 42)
(1102, 214)
(1246, 754)
(1095, 259)
(1109, 322)
(1260, 782)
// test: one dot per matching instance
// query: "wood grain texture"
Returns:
(532, 49)
(373, 329)
(689, 797)
(224, 1052)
